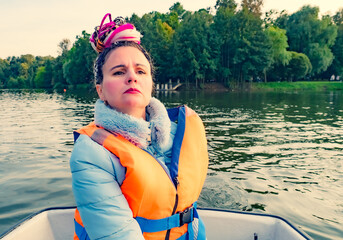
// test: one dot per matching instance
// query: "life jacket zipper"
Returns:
(176, 182)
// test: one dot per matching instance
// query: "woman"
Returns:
(138, 169)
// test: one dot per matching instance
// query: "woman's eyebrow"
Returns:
(117, 66)
(141, 65)
(121, 65)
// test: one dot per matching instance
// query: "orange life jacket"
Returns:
(150, 191)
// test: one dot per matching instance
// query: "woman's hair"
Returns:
(102, 57)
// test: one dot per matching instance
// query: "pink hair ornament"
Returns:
(112, 32)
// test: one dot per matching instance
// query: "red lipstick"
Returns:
(132, 91)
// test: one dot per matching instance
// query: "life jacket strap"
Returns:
(176, 220)
(80, 231)
(196, 229)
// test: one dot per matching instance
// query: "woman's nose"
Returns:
(132, 77)
(132, 80)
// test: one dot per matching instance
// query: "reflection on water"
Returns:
(278, 153)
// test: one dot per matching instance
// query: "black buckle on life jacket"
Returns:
(186, 216)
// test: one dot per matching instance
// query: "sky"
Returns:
(37, 26)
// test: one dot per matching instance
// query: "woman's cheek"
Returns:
(111, 87)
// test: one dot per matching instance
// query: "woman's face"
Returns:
(127, 81)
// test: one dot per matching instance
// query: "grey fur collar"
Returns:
(137, 131)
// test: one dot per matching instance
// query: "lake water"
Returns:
(276, 153)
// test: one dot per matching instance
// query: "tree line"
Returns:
(230, 44)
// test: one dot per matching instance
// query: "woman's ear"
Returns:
(100, 92)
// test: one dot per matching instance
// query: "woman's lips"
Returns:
(132, 91)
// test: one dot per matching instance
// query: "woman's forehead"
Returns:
(125, 55)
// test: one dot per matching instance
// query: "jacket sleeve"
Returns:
(103, 208)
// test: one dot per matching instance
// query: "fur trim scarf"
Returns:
(138, 131)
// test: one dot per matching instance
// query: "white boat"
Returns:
(58, 224)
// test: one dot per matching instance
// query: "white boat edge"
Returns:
(57, 224)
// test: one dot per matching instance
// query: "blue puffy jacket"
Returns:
(96, 178)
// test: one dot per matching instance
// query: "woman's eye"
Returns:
(141, 72)
(118, 73)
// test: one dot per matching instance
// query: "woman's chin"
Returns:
(132, 108)
(136, 101)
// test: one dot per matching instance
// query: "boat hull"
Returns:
(58, 224)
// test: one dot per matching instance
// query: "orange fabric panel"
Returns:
(76, 237)
(192, 174)
(88, 130)
(77, 218)
(146, 184)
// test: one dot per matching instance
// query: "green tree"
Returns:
(63, 47)
(175, 15)
(26, 73)
(274, 18)
(160, 49)
(225, 4)
(14, 67)
(251, 47)
(177, 8)
(58, 79)
(39, 78)
(253, 6)
(48, 74)
(224, 22)
(16, 72)
(298, 67)
(244, 46)
(337, 65)
(78, 68)
(312, 36)
(279, 45)
(279, 53)
(192, 51)
(30, 60)
(158, 31)
(4, 72)
(12, 83)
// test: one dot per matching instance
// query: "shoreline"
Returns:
(220, 87)
(301, 85)
(277, 86)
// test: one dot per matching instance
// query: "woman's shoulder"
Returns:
(85, 146)
(89, 154)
